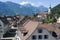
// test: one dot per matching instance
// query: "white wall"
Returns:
(45, 32)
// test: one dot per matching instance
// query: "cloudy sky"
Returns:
(46, 3)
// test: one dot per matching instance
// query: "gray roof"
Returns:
(4, 20)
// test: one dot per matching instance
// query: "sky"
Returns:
(36, 3)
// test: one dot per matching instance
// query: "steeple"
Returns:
(49, 9)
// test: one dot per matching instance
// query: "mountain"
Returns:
(56, 10)
(10, 8)
(4, 9)
(42, 8)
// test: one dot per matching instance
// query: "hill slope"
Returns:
(56, 10)
(10, 8)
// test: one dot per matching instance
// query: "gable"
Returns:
(44, 35)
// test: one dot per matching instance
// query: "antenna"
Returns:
(50, 5)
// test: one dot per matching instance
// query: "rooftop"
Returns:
(10, 33)
(31, 26)
(4, 20)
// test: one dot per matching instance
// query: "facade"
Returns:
(33, 30)
(41, 34)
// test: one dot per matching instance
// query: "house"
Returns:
(13, 20)
(41, 16)
(4, 26)
(33, 30)
(6, 33)
(58, 20)
(23, 20)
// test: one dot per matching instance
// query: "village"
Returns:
(29, 19)
(27, 28)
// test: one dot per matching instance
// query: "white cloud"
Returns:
(33, 4)
(26, 2)
(23, 3)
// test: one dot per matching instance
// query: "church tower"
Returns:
(49, 9)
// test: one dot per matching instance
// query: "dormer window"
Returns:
(25, 33)
(39, 30)
(54, 34)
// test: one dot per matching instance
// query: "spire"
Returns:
(49, 9)
(50, 6)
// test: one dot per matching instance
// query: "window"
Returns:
(54, 34)
(25, 33)
(34, 37)
(39, 30)
(0, 24)
(45, 36)
(39, 36)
